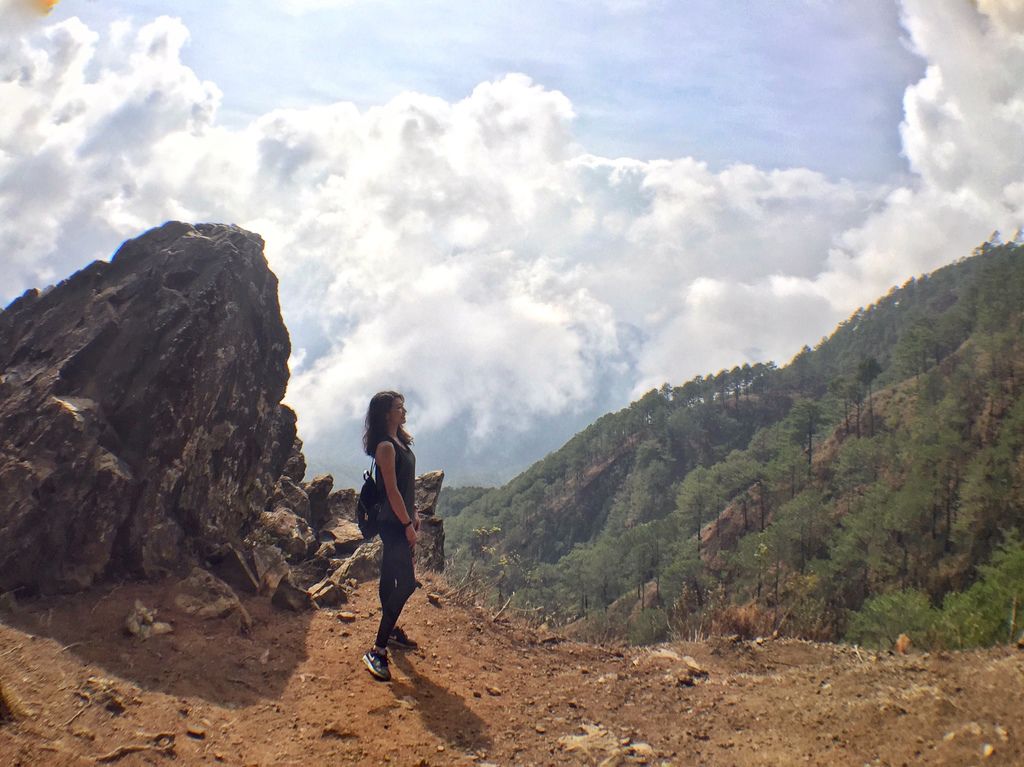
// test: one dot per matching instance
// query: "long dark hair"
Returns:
(375, 427)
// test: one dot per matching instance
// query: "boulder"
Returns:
(430, 547)
(295, 466)
(331, 591)
(286, 530)
(428, 490)
(327, 550)
(364, 565)
(318, 492)
(140, 409)
(289, 495)
(232, 566)
(206, 596)
(314, 569)
(269, 567)
(288, 596)
(340, 526)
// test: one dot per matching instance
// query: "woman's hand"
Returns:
(410, 535)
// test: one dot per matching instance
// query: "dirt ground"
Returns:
(79, 691)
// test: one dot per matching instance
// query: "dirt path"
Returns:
(80, 692)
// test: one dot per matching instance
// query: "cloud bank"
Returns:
(472, 253)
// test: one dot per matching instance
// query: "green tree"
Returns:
(883, 618)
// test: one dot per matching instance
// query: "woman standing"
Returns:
(386, 439)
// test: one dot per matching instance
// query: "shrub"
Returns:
(883, 618)
(649, 627)
(749, 620)
(992, 610)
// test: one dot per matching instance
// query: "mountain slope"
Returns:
(888, 459)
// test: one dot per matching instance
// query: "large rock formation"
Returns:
(430, 547)
(140, 415)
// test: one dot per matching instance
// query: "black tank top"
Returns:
(405, 476)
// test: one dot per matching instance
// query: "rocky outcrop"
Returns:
(318, 492)
(430, 547)
(140, 415)
(295, 466)
(288, 531)
(289, 495)
(341, 528)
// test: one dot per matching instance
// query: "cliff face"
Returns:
(140, 409)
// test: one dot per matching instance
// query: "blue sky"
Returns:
(803, 83)
(522, 215)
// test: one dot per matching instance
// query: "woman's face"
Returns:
(396, 415)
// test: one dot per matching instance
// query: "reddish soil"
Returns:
(79, 691)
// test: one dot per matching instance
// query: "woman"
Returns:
(386, 439)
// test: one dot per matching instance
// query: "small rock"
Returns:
(680, 679)
(104, 692)
(694, 667)
(194, 731)
(330, 592)
(641, 749)
(160, 628)
(987, 750)
(337, 731)
(346, 617)
(139, 622)
(541, 729)
(435, 599)
(594, 741)
(495, 691)
(265, 657)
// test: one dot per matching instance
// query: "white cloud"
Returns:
(470, 252)
(963, 135)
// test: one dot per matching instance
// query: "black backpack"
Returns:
(368, 505)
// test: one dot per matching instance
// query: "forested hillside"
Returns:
(874, 485)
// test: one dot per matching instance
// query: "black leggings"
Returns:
(397, 579)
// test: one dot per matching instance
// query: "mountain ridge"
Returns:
(948, 337)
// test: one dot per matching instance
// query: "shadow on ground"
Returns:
(208, 659)
(443, 712)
